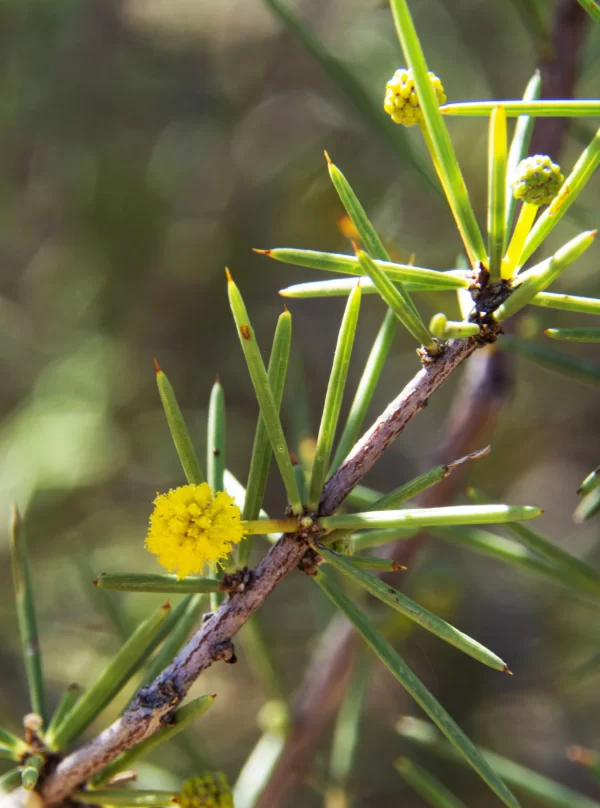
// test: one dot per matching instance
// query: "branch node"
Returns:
(161, 697)
(224, 651)
(309, 562)
(237, 581)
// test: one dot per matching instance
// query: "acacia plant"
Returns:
(201, 531)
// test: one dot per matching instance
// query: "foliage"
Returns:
(195, 527)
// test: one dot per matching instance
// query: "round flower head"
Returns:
(207, 791)
(537, 180)
(401, 101)
(192, 526)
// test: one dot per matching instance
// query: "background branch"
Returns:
(487, 384)
(559, 63)
(472, 417)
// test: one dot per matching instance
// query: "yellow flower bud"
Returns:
(192, 526)
(211, 790)
(537, 180)
(401, 102)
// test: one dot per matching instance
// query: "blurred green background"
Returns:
(144, 146)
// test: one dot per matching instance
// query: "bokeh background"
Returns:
(144, 146)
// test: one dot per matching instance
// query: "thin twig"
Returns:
(391, 422)
(212, 642)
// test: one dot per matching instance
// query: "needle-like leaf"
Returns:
(591, 482)
(30, 772)
(346, 733)
(151, 582)
(539, 277)
(216, 436)
(574, 334)
(536, 109)
(423, 617)
(572, 568)
(497, 161)
(26, 619)
(179, 431)
(131, 798)
(341, 287)
(552, 300)
(260, 461)
(573, 367)
(513, 553)
(398, 668)
(407, 314)
(437, 136)
(530, 783)
(268, 408)
(350, 265)
(333, 398)
(114, 677)
(427, 787)
(428, 517)
(592, 7)
(64, 706)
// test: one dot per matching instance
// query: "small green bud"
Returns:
(211, 790)
(537, 180)
(274, 716)
(401, 102)
(343, 546)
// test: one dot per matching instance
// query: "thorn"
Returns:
(284, 293)
(95, 581)
(214, 696)
(450, 467)
(261, 252)
(411, 259)
(355, 247)
(156, 365)
(328, 158)
(217, 379)
(123, 777)
(166, 605)
(285, 308)
(397, 567)
(294, 459)
(228, 275)
(506, 669)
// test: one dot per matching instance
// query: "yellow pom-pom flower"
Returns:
(401, 102)
(208, 791)
(537, 180)
(192, 526)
